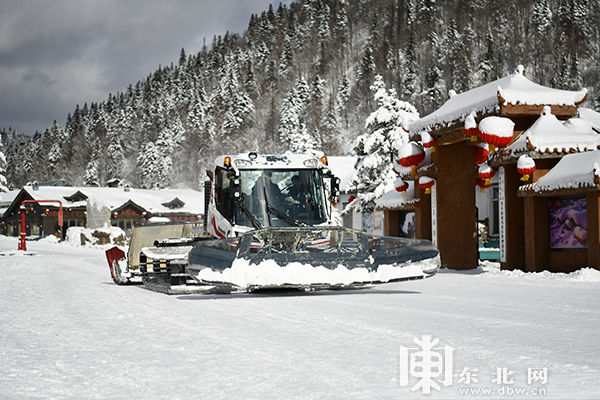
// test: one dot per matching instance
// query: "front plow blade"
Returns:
(311, 258)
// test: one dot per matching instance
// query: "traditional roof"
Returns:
(590, 116)
(513, 89)
(573, 171)
(394, 199)
(549, 135)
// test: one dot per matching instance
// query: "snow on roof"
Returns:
(513, 89)
(549, 135)
(395, 199)
(573, 171)
(7, 197)
(343, 168)
(150, 200)
(590, 116)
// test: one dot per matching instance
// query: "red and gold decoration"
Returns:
(486, 173)
(525, 166)
(496, 131)
(410, 155)
(400, 185)
(471, 127)
(483, 184)
(426, 183)
(428, 141)
(481, 152)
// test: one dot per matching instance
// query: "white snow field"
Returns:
(68, 332)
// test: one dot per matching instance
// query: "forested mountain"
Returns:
(299, 77)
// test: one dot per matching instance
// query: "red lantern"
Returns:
(481, 152)
(115, 214)
(525, 166)
(401, 186)
(496, 131)
(428, 141)
(486, 172)
(410, 155)
(483, 184)
(471, 127)
(426, 183)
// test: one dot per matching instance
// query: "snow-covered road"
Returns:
(66, 331)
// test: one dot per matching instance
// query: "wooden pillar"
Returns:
(422, 214)
(456, 219)
(593, 220)
(514, 220)
(537, 252)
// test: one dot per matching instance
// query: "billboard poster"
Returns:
(567, 222)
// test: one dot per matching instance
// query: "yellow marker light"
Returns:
(227, 162)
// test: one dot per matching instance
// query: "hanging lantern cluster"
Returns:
(525, 166)
(496, 131)
(426, 183)
(481, 152)
(428, 141)
(401, 186)
(410, 155)
(471, 127)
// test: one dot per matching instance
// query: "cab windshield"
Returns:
(269, 194)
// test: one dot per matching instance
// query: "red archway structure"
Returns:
(22, 244)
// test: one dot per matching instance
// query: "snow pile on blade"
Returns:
(316, 257)
(268, 274)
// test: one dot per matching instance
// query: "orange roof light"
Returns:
(227, 162)
(324, 160)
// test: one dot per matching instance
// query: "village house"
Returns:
(94, 207)
(444, 199)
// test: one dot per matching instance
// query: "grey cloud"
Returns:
(55, 54)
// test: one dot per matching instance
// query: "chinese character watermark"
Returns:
(537, 375)
(430, 363)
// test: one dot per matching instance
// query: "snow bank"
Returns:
(77, 236)
(268, 273)
(582, 275)
(49, 239)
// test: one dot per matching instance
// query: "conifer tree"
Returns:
(386, 130)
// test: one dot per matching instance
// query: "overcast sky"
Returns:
(55, 54)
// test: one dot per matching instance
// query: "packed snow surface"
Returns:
(68, 332)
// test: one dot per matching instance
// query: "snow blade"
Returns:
(312, 258)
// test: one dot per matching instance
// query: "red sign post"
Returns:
(22, 244)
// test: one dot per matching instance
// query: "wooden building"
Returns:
(561, 215)
(97, 206)
(448, 215)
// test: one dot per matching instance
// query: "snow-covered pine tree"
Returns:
(386, 130)
(341, 99)
(292, 126)
(3, 163)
